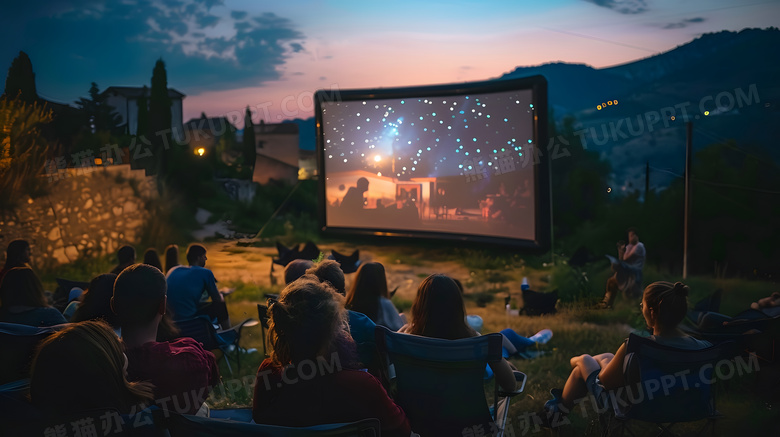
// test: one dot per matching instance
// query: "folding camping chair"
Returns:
(193, 426)
(202, 330)
(439, 383)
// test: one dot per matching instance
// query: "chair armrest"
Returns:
(246, 323)
(521, 379)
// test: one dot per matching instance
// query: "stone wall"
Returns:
(84, 214)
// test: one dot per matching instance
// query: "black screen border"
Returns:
(543, 211)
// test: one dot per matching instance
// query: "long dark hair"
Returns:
(370, 284)
(16, 254)
(96, 303)
(438, 310)
(82, 368)
(152, 258)
(21, 287)
(171, 257)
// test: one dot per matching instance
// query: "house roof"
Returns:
(134, 92)
(276, 128)
(219, 124)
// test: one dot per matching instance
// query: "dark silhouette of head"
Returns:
(96, 301)
(362, 185)
(126, 255)
(438, 310)
(171, 257)
(21, 287)
(329, 271)
(152, 258)
(369, 285)
(295, 269)
(139, 295)
(17, 254)
(196, 255)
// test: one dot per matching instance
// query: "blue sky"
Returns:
(227, 54)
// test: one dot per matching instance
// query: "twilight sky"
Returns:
(227, 54)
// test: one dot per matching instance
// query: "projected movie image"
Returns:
(456, 164)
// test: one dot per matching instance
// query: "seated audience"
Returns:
(171, 257)
(96, 302)
(368, 295)
(17, 254)
(22, 300)
(438, 311)
(181, 370)
(772, 301)
(126, 257)
(152, 258)
(81, 368)
(295, 269)
(663, 306)
(308, 326)
(189, 287)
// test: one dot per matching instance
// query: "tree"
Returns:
(143, 113)
(249, 151)
(160, 118)
(98, 115)
(20, 81)
(23, 150)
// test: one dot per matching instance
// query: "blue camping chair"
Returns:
(664, 386)
(439, 383)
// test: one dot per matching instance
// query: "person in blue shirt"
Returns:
(189, 289)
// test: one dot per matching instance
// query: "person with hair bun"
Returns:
(664, 306)
(311, 377)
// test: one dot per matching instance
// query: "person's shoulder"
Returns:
(203, 271)
(356, 318)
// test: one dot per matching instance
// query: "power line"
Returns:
(717, 184)
(595, 38)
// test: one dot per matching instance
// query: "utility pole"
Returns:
(686, 220)
(647, 180)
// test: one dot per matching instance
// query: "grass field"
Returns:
(577, 329)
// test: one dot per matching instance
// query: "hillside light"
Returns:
(200, 151)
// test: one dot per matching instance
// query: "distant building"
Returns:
(277, 152)
(124, 99)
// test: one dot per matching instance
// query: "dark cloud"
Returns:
(238, 15)
(72, 43)
(207, 21)
(684, 23)
(622, 6)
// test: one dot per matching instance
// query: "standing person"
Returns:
(181, 370)
(368, 295)
(17, 254)
(308, 325)
(186, 286)
(628, 270)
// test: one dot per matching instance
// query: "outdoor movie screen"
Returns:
(450, 161)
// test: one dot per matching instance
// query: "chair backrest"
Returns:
(17, 346)
(667, 384)
(439, 383)
(194, 426)
(201, 330)
(348, 263)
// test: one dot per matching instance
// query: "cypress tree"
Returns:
(20, 81)
(160, 118)
(250, 154)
